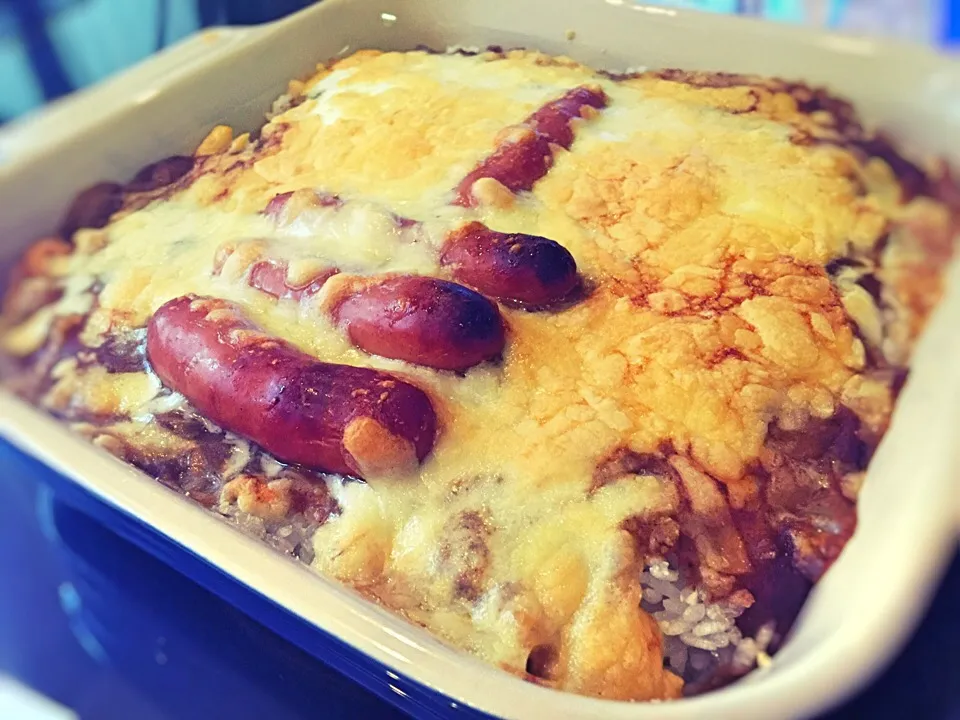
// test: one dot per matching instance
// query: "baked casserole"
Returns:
(582, 372)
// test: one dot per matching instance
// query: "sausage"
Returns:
(329, 417)
(527, 269)
(277, 203)
(92, 208)
(422, 320)
(526, 153)
(250, 259)
(285, 207)
(553, 119)
(516, 164)
(160, 174)
(271, 277)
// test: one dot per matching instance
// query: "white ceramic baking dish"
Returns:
(866, 605)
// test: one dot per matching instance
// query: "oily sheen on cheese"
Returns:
(722, 230)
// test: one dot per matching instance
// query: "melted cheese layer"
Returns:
(702, 235)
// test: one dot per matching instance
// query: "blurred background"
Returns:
(50, 47)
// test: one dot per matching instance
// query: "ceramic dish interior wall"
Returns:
(869, 601)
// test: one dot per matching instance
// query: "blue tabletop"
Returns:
(100, 626)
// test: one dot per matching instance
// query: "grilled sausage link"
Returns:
(252, 261)
(335, 418)
(528, 269)
(526, 153)
(285, 207)
(422, 320)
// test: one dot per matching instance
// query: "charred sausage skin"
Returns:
(422, 320)
(527, 269)
(526, 153)
(330, 417)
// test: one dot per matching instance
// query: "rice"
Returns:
(699, 636)
(291, 536)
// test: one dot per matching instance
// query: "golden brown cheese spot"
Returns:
(94, 391)
(436, 124)
(784, 333)
(218, 140)
(624, 383)
(771, 103)
(376, 450)
(489, 191)
(149, 439)
(268, 500)
(663, 192)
